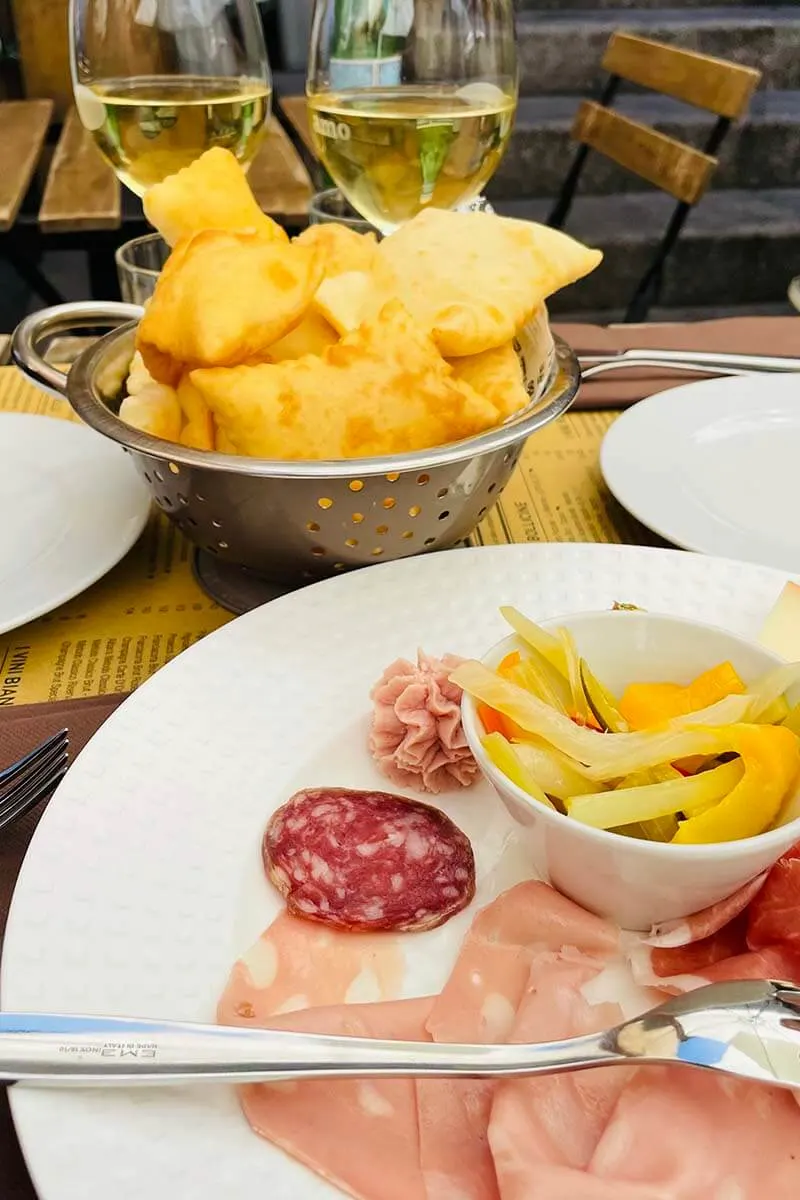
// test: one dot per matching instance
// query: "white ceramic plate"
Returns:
(72, 506)
(714, 466)
(143, 883)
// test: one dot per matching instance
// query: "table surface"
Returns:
(150, 607)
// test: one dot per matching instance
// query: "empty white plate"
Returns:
(714, 467)
(71, 506)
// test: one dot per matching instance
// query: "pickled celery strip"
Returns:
(605, 757)
(537, 637)
(605, 810)
(506, 758)
(553, 771)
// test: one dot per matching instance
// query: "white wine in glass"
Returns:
(411, 102)
(158, 82)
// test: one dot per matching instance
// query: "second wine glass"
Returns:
(411, 102)
(157, 82)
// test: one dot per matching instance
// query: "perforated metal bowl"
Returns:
(296, 521)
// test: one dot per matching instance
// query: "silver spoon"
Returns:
(749, 1029)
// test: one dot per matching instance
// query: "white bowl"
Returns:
(636, 883)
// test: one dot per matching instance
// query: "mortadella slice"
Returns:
(479, 1004)
(360, 1135)
(296, 965)
(692, 1136)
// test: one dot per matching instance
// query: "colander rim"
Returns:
(88, 402)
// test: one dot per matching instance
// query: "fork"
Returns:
(26, 782)
(749, 1029)
(698, 362)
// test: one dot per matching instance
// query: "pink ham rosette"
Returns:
(417, 737)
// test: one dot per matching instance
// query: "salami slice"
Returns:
(368, 860)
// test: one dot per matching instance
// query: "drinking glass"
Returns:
(411, 102)
(139, 265)
(157, 82)
(331, 206)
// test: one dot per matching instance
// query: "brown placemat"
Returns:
(22, 728)
(733, 335)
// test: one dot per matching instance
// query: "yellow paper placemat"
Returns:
(557, 493)
(119, 632)
(149, 608)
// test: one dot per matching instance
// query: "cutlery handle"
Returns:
(69, 1051)
(688, 360)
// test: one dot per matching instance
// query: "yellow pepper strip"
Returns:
(643, 705)
(771, 757)
(505, 758)
(713, 685)
(646, 704)
(623, 806)
(693, 807)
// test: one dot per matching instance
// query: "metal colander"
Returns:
(297, 521)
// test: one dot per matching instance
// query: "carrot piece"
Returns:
(491, 719)
(495, 722)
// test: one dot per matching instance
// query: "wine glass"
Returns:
(157, 82)
(411, 102)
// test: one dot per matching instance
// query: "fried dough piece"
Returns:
(472, 279)
(343, 249)
(198, 424)
(382, 390)
(497, 375)
(154, 409)
(225, 300)
(211, 193)
(312, 336)
(346, 299)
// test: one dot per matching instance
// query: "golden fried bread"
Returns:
(154, 409)
(497, 375)
(312, 336)
(211, 193)
(343, 249)
(198, 424)
(472, 279)
(383, 389)
(225, 300)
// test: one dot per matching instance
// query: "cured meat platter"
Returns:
(156, 849)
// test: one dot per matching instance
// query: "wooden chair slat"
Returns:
(42, 35)
(82, 192)
(279, 180)
(668, 164)
(295, 108)
(717, 86)
(23, 129)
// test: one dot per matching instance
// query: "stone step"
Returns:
(560, 51)
(737, 248)
(571, 5)
(764, 151)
